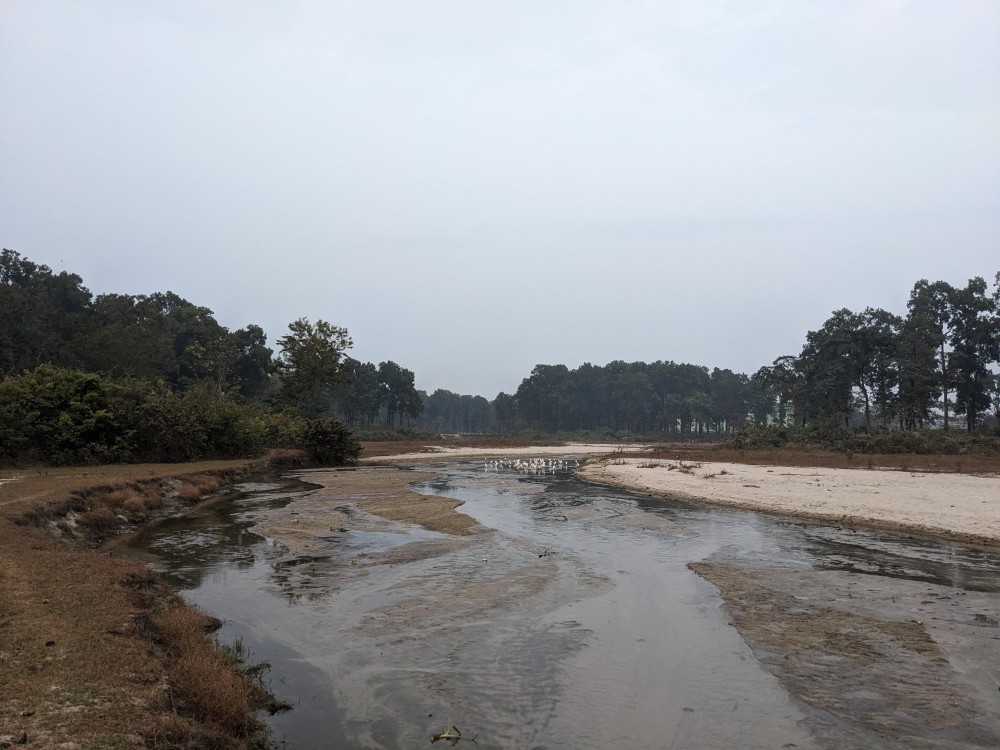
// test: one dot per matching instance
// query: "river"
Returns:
(574, 623)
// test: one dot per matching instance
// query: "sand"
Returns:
(961, 507)
(448, 453)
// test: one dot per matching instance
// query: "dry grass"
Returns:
(87, 655)
(202, 678)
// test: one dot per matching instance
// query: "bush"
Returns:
(329, 442)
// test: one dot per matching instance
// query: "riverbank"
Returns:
(94, 650)
(960, 507)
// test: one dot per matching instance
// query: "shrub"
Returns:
(329, 442)
(99, 519)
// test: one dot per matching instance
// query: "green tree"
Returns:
(975, 342)
(398, 394)
(931, 307)
(309, 365)
(505, 412)
(43, 315)
(362, 398)
(251, 374)
(730, 394)
(875, 357)
(829, 363)
(917, 357)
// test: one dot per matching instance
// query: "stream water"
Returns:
(575, 624)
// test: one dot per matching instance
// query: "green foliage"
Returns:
(42, 315)
(62, 416)
(329, 442)
(152, 377)
(59, 416)
(398, 394)
(310, 363)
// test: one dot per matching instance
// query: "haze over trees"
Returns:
(121, 377)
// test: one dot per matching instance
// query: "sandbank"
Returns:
(961, 507)
(447, 453)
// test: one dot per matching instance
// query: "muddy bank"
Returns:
(878, 664)
(960, 507)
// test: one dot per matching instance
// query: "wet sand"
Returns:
(960, 507)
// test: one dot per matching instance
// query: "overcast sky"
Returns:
(474, 188)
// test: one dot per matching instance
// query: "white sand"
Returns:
(444, 453)
(957, 506)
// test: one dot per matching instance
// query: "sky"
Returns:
(474, 188)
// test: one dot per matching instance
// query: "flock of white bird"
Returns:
(531, 465)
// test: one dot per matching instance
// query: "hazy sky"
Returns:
(473, 188)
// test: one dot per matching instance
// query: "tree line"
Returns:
(155, 377)
(870, 370)
(121, 377)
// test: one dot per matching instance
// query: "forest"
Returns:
(120, 377)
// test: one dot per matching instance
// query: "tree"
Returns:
(876, 364)
(730, 394)
(930, 306)
(398, 394)
(310, 363)
(42, 315)
(253, 366)
(975, 342)
(829, 363)
(505, 412)
(361, 398)
(916, 356)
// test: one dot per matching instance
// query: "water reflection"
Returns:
(187, 548)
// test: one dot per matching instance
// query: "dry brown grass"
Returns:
(81, 659)
(31, 486)
(202, 679)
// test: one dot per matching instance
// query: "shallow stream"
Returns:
(575, 624)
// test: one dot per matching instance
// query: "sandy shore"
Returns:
(962, 507)
(448, 453)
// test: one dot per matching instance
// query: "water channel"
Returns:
(575, 623)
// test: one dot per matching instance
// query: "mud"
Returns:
(856, 654)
